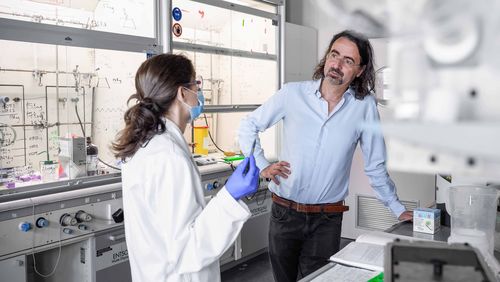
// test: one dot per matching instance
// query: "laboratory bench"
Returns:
(404, 228)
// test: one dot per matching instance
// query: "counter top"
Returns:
(406, 228)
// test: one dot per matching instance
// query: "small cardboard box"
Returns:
(426, 220)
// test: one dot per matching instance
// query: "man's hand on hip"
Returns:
(277, 169)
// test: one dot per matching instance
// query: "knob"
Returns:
(82, 227)
(41, 222)
(24, 226)
(118, 216)
(83, 216)
(67, 231)
(67, 220)
(216, 184)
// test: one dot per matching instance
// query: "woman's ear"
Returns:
(180, 94)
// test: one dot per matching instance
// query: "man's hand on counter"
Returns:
(406, 215)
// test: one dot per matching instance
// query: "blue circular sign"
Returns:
(177, 14)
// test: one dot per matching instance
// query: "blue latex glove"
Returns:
(241, 184)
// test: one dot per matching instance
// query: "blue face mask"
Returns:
(196, 111)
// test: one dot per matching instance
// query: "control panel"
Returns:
(53, 219)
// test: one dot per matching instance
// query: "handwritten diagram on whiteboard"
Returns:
(32, 121)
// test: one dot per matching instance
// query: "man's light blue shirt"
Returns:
(319, 145)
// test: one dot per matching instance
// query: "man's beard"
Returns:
(335, 76)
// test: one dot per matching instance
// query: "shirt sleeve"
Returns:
(195, 236)
(265, 116)
(374, 154)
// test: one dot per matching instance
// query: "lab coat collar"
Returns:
(178, 137)
(172, 127)
(176, 133)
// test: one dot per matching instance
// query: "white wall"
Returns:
(300, 52)
(312, 13)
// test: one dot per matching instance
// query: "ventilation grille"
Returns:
(372, 214)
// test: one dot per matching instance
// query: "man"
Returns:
(322, 124)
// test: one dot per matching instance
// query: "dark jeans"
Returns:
(300, 243)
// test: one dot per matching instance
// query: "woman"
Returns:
(171, 234)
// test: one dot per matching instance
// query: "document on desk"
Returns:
(364, 255)
(367, 251)
(346, 274)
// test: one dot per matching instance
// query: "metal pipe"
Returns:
(46, 71)
(229, 108)
(47, 125)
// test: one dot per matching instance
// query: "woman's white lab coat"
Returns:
(171, 235)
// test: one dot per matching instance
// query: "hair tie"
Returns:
(149, 104)
(147, 101)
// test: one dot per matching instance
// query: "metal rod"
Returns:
(37, 125)
(45, 71)
(39, 19)
(229, 108)
(223, 51)
(47, 128)
(92, 108)
(239, 8)
(24, 128)
(57, 100)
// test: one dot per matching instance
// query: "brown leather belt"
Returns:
(308, 208)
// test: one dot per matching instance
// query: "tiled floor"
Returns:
(257, 269)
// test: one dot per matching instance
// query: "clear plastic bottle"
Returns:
(92, 159)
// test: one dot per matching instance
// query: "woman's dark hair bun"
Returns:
(151, 105)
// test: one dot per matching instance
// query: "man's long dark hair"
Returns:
(156, 84)
(365, 83)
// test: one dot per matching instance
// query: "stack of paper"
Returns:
(345, 274)
(367, 251)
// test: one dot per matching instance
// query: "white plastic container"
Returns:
(473, 210)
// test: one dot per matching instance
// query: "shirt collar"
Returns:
(316, 89)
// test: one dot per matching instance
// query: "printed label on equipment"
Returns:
(115, 254)
(259, 205)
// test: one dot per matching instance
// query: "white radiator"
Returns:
(372, 214)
